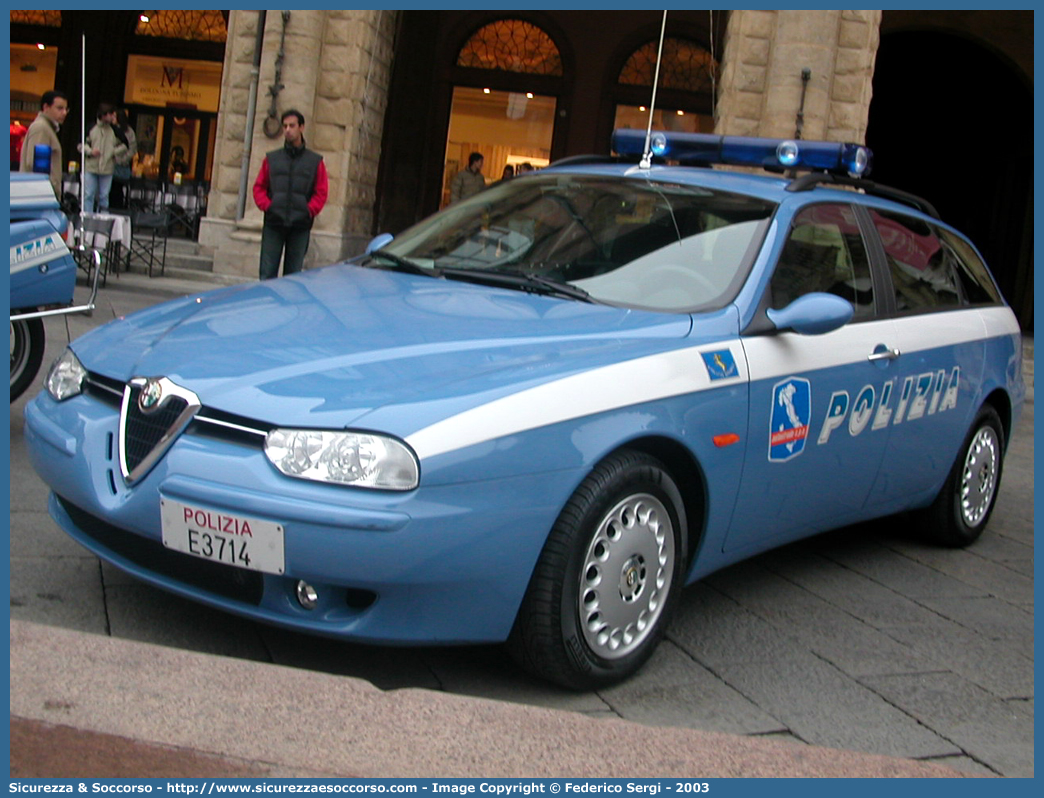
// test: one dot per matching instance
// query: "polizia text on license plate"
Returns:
(223, 537)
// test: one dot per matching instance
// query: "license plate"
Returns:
(222, 537)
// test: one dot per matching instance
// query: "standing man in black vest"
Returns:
(291, 189)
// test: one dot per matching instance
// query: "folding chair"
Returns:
(180, 221)
(97, 237)
(144, 194)
(200, 209)
(149, 231)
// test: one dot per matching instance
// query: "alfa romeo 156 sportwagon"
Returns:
(535, 416)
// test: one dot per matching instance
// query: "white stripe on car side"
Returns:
(782, 355)
(631, 382)
(37, 260)
(775, 356)
(32, 193)
(683, 371)
(1000, 321)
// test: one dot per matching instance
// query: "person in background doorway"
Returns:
(468, 182)
(178, 164)
(525, 167)
(291, 189)
(507, 174)
(54, 106)
(105, 143)
(121, 171)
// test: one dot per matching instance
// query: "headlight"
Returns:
(343, 458)
(65, 379)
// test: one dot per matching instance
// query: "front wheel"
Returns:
(27, 351)
(607, 579)
(963, 506)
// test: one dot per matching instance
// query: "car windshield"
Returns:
(621, 241)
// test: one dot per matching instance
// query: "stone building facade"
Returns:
(766, 53)
(335, 69)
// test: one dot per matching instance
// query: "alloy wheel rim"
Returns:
(626, 576)
(979, 477)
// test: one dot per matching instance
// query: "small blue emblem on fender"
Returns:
(720, 364)
(791, 413)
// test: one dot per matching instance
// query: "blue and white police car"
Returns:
(43, 273)
(537, 415)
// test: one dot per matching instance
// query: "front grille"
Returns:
(146, 434)
(237, 584)
(104, 389)
(230, 427)
(143, 432)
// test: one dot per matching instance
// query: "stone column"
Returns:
(351, 97)
(765, 54)
(335, 70)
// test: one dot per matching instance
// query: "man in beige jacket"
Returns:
(468, 182)
(54, 106)
(105, 143)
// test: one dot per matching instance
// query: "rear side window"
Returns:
(824, 252)
(978, 286)
(922, 268)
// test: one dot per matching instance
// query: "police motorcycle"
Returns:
(43, 273)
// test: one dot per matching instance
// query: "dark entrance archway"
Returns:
(953, 122)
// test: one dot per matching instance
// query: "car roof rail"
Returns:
(580, 160)
(810, 180)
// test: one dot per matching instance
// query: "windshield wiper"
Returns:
(405, 264)
(524, 282)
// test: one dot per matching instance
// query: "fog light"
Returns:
(307, 596)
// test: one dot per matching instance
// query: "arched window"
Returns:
(684, 65)
(51, 19)
(685, 88)
(512, 45)
(195, 26)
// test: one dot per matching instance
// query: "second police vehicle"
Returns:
(535, 416)
(43, 273)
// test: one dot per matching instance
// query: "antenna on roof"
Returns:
(84, 210)
(646, 161)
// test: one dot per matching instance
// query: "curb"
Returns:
(107, 707)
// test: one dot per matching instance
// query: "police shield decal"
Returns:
(791, 413)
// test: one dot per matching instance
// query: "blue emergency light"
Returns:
(774, 154)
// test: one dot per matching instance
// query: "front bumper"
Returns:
(444, 564)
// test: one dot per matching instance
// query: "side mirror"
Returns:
(813, 314)
(380, 241)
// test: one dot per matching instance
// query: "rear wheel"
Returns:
(965, 503)
(608, 577)
(27, 351)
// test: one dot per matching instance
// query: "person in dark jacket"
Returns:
(291, 189)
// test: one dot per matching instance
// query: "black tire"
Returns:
(964, 505)
(27, 351)
(610, 573)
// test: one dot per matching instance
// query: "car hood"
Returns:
(326, 347)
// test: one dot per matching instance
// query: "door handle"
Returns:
(883, 353)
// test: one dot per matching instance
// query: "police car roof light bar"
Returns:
(773, 154)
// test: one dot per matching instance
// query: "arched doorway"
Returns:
(507, 80)
(953, 122)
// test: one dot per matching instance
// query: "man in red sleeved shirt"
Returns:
(291, 189)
